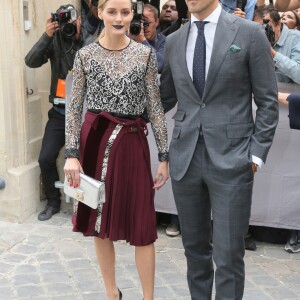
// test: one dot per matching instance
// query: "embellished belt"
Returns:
(114, 114)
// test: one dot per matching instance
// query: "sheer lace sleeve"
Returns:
(155, 109)
(74, 113)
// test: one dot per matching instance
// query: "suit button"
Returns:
(202, 105)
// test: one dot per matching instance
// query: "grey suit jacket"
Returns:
(241, 65)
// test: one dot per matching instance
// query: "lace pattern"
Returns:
(115, 81)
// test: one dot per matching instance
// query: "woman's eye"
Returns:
(125, 13)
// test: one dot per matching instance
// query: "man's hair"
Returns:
(66, 6)
(274, 15)
(153, 9)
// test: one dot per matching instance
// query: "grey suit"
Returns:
(211, 147)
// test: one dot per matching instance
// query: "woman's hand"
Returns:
(72, 169)
(162, 175)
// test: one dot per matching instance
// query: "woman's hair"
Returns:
(101, 5)
(297, 18)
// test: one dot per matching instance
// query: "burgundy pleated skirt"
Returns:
(128, 213)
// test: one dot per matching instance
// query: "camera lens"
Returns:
(135, 27)
(69, 29)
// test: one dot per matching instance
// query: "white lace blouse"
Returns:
(118, 82)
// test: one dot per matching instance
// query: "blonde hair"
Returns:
(101, 5)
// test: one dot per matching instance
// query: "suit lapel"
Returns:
(225, 33)
(181, 48)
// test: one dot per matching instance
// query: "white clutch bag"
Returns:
(91, 192)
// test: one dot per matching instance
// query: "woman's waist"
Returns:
(116, 114)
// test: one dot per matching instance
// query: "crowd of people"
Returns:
(215, 147)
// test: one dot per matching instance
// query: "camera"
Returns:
(269, 31)
(135, 25)
(63, 17)
(241, 4)
(95, 2)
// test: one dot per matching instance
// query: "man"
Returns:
(286, 49)
(216, 146)
(168, 15)
(231, 7)
(149, 36)
(59, 44)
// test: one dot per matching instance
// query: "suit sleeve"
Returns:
(264, 88)
(167, 86)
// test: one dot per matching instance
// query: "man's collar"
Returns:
(212, 18)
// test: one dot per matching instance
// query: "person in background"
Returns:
(231, 7)
(148, 34)
(59, 46)
(91, 24)
(285, 49)
(259, 13)
(291, 19)
(293, 102)
(168, 15)
(113, 77)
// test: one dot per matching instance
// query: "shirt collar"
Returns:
(212, 18)
(283, 36)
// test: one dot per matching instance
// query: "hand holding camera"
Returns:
(51, 27)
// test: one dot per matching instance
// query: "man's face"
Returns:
(201, 8)
(169, 12)
(150, 30)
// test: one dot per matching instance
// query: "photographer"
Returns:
(144, 31)
(241, 8)
(58, 44)
(285, 48)
(91, 24)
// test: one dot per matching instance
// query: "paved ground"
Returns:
(46, 260)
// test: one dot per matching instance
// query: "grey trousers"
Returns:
(225, 195)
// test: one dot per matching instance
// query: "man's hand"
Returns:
(282, 98)
(51, 27)
(254, 168)
(273, 52)
(238, 12)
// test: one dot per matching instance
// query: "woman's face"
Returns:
(289, 19)
(116, 15)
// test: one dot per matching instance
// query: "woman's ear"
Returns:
(100, 13)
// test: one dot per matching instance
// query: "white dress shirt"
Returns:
(209, 32)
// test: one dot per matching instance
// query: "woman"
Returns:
(291, 19)
(115, 75)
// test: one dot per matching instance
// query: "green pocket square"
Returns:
(234, 48)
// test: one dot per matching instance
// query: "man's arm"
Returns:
(289, 66)
(284, 5)
(167, 86)
(40, 52)
(264, 89)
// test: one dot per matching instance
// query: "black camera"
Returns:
(269, 31)
(135, 25)
(95, 2)
(63, 17)
(241, 4)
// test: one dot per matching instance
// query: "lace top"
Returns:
(119, 82)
